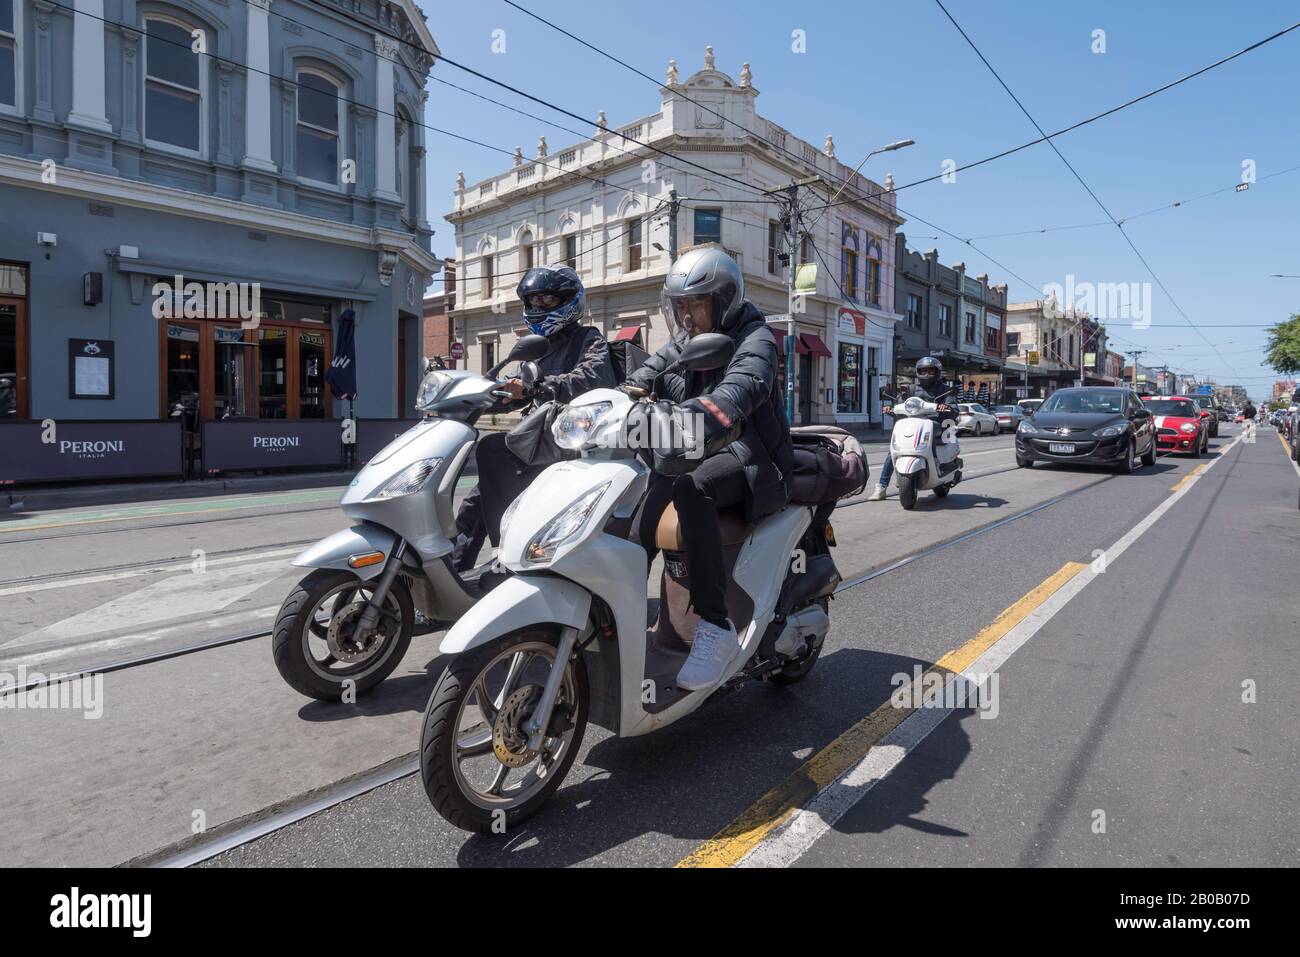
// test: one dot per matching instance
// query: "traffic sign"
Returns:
(1031, 357)
(457, 351)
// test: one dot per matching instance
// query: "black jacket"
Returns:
(742, 408)
(578, 362)
(1249, 412)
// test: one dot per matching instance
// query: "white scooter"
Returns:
(347, 625)
(919, 462)
(564, 640)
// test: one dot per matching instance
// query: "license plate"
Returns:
(1061, 448)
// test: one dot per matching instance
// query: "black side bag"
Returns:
(829, 465)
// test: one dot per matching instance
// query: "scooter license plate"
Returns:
(1061, 448)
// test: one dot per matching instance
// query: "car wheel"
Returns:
(1149, 458)
(1125, 466)
(1024, 463)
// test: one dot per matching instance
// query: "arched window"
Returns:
(525, 251)
(175, 83)
(320, 125)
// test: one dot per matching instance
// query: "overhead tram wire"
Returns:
(1159, 282)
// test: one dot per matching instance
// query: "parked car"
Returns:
(1009, 417)
(1210, 410)
(1091, 425)
(974, 418)
(1030, 406)
(1181, 424)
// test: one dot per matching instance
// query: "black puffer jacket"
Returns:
(578, 362)
(742, 408)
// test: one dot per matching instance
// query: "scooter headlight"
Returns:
(433, 385)
(408, 481)
(576, 425)
(563, 527)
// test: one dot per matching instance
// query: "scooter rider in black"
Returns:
(928, 388)
(579, 360)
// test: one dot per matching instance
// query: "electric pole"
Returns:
(1135, 353)
(791, 222)
(672, 225)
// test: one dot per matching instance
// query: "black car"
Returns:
(1207, 404)
(1096, 425)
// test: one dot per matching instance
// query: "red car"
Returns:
(1181, 425)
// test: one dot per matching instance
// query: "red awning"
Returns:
(627, 333)
(811, 342)
(800, 348)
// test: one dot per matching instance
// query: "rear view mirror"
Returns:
(529, 348)
(709, 350)
(529, 374)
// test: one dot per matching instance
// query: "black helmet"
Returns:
(928, 369)
(559, 281)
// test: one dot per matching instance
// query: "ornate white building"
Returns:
(602, 207)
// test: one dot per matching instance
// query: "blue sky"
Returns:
(874, 73)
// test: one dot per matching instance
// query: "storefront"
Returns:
(13, 342)
(863, 348)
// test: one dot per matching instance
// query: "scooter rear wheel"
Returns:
(907, 491)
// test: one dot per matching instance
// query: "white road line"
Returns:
(787, 843)
(181, 566)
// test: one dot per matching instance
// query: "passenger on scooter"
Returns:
(928, 387)
(747, 456)
(579, 361)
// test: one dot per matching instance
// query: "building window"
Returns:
(773, 247)
(173, 87)
(9, 31)
(488, 353)
(805, 248)
(13, 342)
(1013, 343)
(970, 328)
(525, 251)
(874, 257)
(849, 261)
(708, 226)
(635, 246)
(914, 311)
(850, 378)
(320, 120)
(571, 252)
(945, 321)
(990, 339)
(489, 264)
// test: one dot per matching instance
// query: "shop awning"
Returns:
(626, 334)
(799, 347)
(813, 343)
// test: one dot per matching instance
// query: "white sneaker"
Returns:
(878, 495)
(712, 650)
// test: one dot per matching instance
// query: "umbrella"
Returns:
(342, 374)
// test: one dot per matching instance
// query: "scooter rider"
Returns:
(747, 454)
(928, 388)
(579, 361)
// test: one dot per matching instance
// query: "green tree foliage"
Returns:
(1284, 345)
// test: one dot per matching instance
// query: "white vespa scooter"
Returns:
(564, 640)
(348, 623)
(918, 463)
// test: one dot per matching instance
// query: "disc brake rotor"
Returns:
(509, 741)
(344, 644)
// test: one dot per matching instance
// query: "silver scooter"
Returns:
(345, 627)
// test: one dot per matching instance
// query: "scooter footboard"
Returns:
(519, 602)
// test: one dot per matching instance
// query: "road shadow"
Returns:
(959, 501)
(693, 778)
(405, 692)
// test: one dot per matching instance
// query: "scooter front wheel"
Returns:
(478, 770)
(907, 491)
(315, 643)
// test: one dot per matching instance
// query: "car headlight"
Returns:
(574, 427)
(408, 481)
(1188, 427)
(431, 387)
(1109, 431)
(563, 527)
(1026, 427)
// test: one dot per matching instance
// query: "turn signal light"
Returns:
(830, 534)
(366, 559)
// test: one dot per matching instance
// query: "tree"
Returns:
(1284, 345)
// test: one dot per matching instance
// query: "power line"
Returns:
(1081, 180)
(1048, 137)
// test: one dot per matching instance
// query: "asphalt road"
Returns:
(1173, 626)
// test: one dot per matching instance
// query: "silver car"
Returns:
(1009, 417)
(974, 418)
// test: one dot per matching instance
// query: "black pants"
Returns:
(501, 477)
(717, 482)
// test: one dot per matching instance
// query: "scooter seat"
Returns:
(731, 523)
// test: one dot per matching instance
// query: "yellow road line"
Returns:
(1285, 444)
(738, 838)
(1189, 476)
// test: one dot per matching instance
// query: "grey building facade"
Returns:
(271, 149)
(957, 318)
